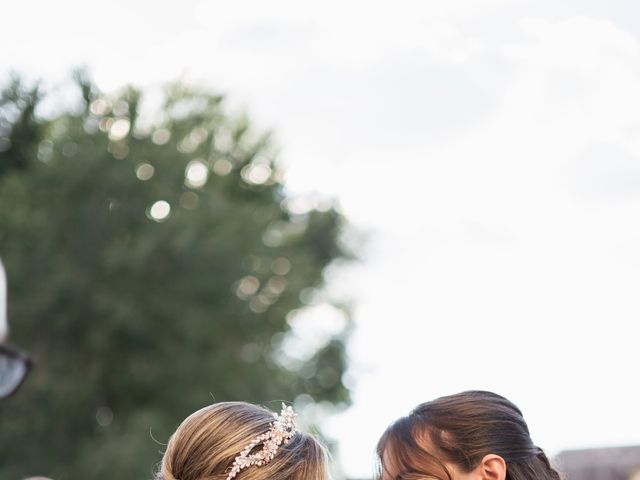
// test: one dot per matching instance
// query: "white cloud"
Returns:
(494, 270)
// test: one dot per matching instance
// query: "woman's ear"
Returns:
(493, 467)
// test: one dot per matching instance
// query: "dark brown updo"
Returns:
(461, 429)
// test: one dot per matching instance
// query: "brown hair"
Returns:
(206, 443)
(461, 429)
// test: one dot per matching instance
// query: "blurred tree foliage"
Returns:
(136, 318)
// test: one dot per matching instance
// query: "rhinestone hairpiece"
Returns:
(280, 432)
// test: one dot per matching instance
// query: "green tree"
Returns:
(152, 264)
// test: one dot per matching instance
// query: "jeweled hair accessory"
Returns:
(280, 432)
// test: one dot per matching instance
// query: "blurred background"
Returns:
(352, 206)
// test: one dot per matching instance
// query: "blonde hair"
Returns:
(206, 443)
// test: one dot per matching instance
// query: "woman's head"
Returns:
(207, 442)
(470, 435)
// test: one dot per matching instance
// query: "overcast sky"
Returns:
(490, 149)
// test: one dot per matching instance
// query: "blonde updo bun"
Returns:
(206, 443)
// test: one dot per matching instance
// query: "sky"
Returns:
(489, 151)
